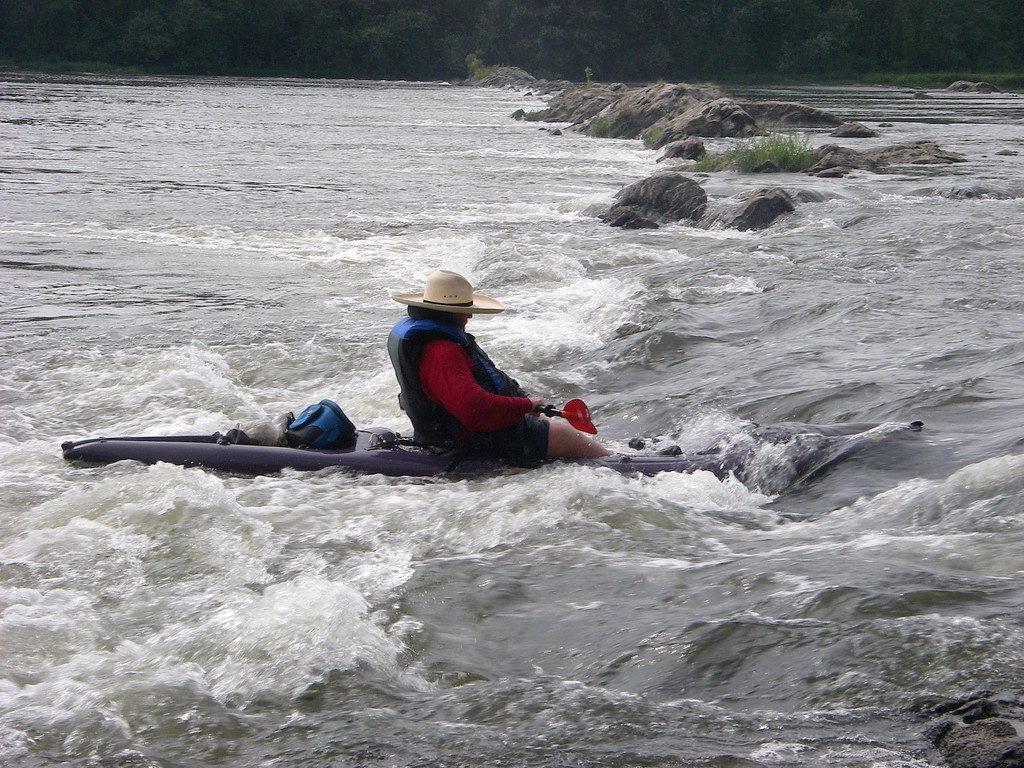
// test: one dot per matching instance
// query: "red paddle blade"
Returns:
(577, 414)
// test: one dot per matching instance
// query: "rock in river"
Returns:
(658, 199)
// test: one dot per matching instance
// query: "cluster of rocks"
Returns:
(833, 160)
(663, 113)
(671, 197)
(517, 79)
(675, 118)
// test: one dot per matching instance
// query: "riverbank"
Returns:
(1007, 81)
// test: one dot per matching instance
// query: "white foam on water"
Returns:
(732, 284)
(569, 316)
(171, 390)
(280, 642)
(676, 501)
(966, 502)
(924, 536)
(156, 579)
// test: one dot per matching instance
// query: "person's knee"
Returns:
(565, 442)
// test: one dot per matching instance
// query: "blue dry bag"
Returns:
(323, 425)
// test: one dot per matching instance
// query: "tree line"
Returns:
(629, 40)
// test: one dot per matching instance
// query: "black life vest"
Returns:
(431, 423)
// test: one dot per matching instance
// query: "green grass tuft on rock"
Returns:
(788, 152)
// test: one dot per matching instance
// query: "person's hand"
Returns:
(538, 404)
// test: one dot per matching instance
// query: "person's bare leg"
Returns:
(564, 442)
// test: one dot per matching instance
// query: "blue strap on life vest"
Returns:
(492, 373)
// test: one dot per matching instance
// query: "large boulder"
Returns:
(785, 114)
(720, 118)
(760, 209)
(640, 108)
(659, 199)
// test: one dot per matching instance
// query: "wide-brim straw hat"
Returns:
(450, 292)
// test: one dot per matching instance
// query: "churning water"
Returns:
(179, 255)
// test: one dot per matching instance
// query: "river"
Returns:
(183, 254)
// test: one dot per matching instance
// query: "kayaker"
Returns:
(455, 395)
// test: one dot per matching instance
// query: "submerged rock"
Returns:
(972, 192)
(967, 86)
(786, 114)
(686, 149)
(853, 131)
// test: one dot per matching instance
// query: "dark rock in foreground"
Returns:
(671, 197)
(751, 211)
(761, 209)
(659, 199)
(980, 731)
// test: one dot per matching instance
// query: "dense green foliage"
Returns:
(788, 152)
(630, 40)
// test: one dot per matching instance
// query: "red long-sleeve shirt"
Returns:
(447, 379)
